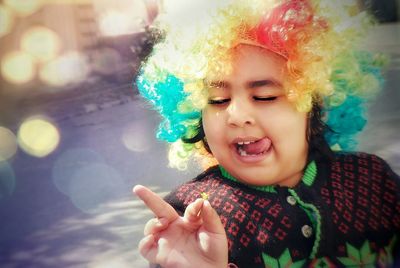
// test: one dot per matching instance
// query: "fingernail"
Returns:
(136, 187)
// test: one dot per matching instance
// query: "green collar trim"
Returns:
(310, 173)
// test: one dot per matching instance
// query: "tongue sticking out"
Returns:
(257, 147)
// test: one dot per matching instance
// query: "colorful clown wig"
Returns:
(318, 39)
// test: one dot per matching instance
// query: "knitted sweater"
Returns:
(346, 215)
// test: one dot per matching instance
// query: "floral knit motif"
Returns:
(362, 257)
(285, 260)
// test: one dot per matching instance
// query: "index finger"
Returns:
(155, 203)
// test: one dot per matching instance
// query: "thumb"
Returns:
(211, 221)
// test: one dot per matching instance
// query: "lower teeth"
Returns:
(244, 153)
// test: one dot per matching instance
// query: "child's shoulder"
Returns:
(363, 167)
(360, 160)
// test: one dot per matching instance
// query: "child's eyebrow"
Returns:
(218, 84)
(221, 84)
(263, 82)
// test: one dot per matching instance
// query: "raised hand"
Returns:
(195, 240)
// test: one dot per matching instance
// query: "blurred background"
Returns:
(75, 137)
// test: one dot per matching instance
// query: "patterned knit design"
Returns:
(254, 221)
(373, 199)
(357, 198)
(363, 196)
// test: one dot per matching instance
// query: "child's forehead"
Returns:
(250, 63)
(243, 49)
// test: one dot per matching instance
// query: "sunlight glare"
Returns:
(8, 144)
(114, 23)
(18, 67)
(24, 7)
(138, 136)
(69, 163)
(6, 20)
(95, 185)
(38, 137)
(41, 42)
(71, 67)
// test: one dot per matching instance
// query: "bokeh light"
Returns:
(71, 67)
(41, 42)
(106, 61)
(69, 2)
(87, 180)
(113, 23)
(8, 144)
(18, 67)
(6, 20)
(120, 17)
(70, 162)
(138, 136)
(7, 180)
(38, 137)
(24, 7)
(94, 185)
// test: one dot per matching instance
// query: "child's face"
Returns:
(250, 105)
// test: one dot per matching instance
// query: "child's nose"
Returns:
(239, 114)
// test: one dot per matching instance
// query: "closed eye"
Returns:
(265, 98)
(218, 101)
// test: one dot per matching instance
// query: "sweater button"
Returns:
(307, 231)
(291, 200)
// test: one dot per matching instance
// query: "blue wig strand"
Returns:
(348, 118)
(345, 121)
(167, 96)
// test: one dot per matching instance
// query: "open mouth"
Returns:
(249, 148)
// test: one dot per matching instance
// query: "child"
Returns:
(271, 94)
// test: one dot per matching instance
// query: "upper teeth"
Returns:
(245, 142)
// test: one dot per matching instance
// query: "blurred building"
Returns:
(75, 25)
(111, 62)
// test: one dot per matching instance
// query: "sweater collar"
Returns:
(308, 178)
